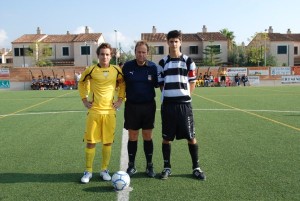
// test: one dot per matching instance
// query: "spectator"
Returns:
(40, 83)
(77, 78)
(200, 82)
(244, 79)
(211, 79)
(237, 80)
(206, 79)
(34, 84)
(223, 77)
(62, 82)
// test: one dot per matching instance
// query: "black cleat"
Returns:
(165, 173)
(149, 170)
(199, 174)
(131, 170)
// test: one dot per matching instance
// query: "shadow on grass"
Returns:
(97, 189)
(143, 175)
(47, 178)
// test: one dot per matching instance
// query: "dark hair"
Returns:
(103, 46)
(140, 43)
(174, 34)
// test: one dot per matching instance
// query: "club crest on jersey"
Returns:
(105, 73)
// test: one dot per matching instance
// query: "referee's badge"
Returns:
(149, 77)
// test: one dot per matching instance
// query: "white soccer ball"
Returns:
(120, 180)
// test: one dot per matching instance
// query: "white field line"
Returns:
(40, 113)
(124, 195)
(63, 112)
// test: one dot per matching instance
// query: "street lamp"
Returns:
(265, 47)
(24, 56)
(116, 46)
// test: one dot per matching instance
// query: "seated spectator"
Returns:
(200, 81)
(51, 83)
(56, 82)
(40, 83)
(216, 82)
(62, 82)
(237, 80)
(206, 79)
(211, 79)
(34, 84)
(244, 79)
(46, 82)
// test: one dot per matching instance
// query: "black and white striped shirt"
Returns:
(175, 76)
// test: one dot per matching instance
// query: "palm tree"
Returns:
(230, 38)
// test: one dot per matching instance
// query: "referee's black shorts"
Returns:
(139, 115)
(177, 121)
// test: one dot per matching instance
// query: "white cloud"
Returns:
(110, 37)
(118, 37)
(81, 29)
(3, 37)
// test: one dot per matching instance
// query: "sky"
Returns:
(130, 18)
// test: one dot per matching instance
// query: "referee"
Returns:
(140, 77)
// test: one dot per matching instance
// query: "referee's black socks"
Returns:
(132, 148)
(148, 149)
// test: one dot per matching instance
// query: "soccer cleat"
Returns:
(131, 170)
(86, 177)
(199, 174)
(149, 170)
(165, 173)
(105, 175)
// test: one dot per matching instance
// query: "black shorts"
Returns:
(223, 78)
(139, 116)
(177, 121)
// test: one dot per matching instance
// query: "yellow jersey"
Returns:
(98, 85)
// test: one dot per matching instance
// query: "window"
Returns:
(65, 51)
(282, 49)
(85, 50)
(193, 49)
(20, 52)
(17, 52)
(159, 50)
(295, 50)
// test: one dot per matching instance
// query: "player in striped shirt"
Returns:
(177, 80)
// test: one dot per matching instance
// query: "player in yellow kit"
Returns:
(98, 98)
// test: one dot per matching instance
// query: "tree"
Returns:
(230, 38)
(211, 52)
(257, 49)
(40, 52)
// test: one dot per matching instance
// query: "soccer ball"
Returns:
(120, 180)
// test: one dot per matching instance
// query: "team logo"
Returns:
(105, 73)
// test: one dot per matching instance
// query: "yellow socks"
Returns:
(106, 152)
(89, 159)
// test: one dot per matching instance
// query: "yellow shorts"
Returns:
(100, 128)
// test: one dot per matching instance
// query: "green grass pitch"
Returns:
(249, 148)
